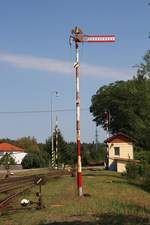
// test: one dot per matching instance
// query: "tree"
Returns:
(71, 153)
(27, 142)
(7, 140)
(63, 153)
(36, 156)
(62, 148)
(129, 105)
(90, 154)
(144, 68)
(7, 159)
(96, 154)
(35, 160)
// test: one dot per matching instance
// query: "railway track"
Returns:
(14, 186)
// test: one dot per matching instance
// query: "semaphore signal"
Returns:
(77, 37)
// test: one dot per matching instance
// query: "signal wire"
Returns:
(41, 111)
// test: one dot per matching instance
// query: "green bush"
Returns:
(146, 182)
(132, 169)
(35, 160)
(143, 168)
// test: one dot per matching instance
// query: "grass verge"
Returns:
(109, 199)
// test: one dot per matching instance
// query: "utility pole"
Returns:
(52, 138)
(106, 121)
(106, 127)
(78, 37)
(96, 137)
(149, 32)
(56, 143)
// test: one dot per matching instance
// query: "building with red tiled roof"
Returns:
(16, 152)
(5, 147)
(120, 151)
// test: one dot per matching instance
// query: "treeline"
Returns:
(40, 154)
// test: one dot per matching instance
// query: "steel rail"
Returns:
(5, 202)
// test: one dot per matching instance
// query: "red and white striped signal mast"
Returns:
(78, 37)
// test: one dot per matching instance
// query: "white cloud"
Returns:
(30, 62)
(107, 72)
(63, 67)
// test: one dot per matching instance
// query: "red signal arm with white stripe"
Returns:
(95, 38)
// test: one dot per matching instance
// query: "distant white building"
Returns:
(17, 153)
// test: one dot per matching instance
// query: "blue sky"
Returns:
(35, 60)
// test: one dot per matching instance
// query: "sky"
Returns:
(36, 61)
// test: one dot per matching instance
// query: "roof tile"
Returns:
(5, 147)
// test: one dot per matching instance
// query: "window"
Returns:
(117, 151)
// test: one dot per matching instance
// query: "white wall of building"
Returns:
(126, 152)
(18, 156)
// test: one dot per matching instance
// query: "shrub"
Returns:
(146, 183)
(35, 160)
(143, 168)
(132, 169)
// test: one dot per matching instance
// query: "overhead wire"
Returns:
(41, 111)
